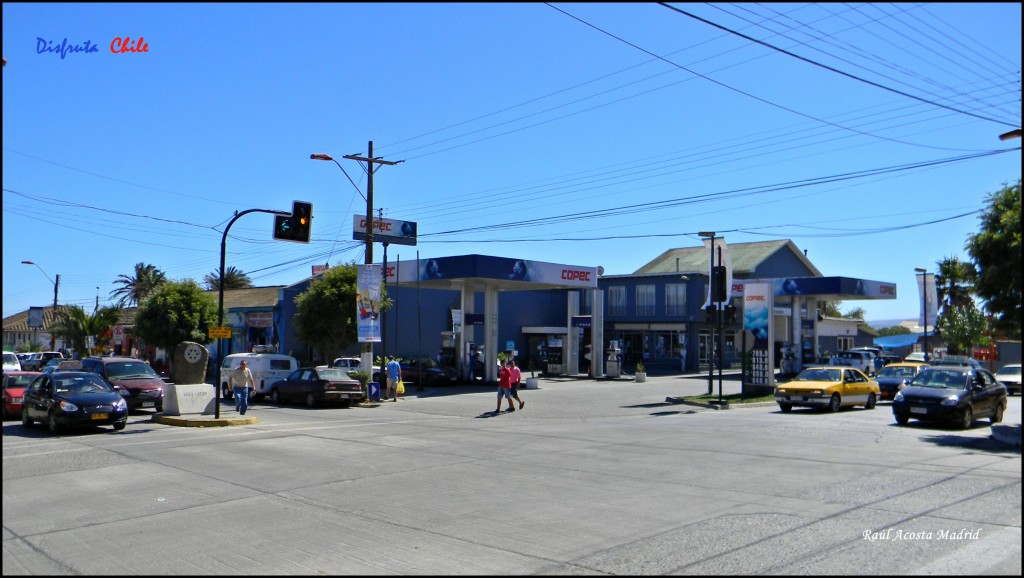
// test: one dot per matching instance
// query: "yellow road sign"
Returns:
(220, 332)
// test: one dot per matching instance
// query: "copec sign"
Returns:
(499, 268)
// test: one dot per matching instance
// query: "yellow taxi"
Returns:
(894, 376)
(831, 387)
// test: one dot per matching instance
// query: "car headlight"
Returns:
(121, 404)
(899, 397)
(951, 400)
(68, 407)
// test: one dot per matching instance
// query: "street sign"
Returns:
(219, 332)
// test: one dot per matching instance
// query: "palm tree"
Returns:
(954, 283)
(76, 326)
(233, 279)
(135, 288)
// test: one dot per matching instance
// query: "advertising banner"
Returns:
(929, 300)
(759, 369)
(368, 282)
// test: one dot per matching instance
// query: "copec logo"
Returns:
(119, 45)
(574, 275)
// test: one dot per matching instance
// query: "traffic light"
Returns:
(730, 314)
(294, 227)
(718, 290)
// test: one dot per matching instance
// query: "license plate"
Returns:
(99, 416)
(16, 400)
(344, 396)
(149, 404)
(918, 410)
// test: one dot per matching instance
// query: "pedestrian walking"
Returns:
(504, 388)
(515, 376)
(241, 381)
(394, 372)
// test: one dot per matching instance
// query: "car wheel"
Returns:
(120, 424)
(902, 418)
(785, 407)
(835, 403)
(998, 415)
(871, 401)
(966, 418)
(275, 397)
(310, 400)
(52, 424)
(25, 420)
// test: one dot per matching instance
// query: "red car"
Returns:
(15, 383)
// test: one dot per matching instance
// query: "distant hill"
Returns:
(883, 323)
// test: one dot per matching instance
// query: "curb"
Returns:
(1007, 434)
(715, 406)
(203, 420)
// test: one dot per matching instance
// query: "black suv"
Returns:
(136, 376)
(952, 393)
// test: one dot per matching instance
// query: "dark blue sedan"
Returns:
(956, 394)
(73, 399)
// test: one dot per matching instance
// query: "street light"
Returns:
(924, 306)
(56, 286)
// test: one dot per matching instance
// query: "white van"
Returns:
(266, 368)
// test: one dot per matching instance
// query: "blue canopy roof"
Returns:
(897, 340)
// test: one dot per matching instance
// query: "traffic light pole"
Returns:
(220, 297)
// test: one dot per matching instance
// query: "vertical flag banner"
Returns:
(929, 299)
(368, 282)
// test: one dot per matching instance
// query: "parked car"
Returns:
(953, 393)
(15, 383)
(919, 356)
(40, 359)
(894, 376)
(887, 359)
(52, 365)
(73, 399)
(1009, 376)
(143, 384)
(11, 361)
(317, 385)
(432, 372)
(831, 387)
(266, 369)
(858, 359)
(354, 363)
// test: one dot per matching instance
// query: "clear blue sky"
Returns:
(599, 136)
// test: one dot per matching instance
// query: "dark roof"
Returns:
(745, 257)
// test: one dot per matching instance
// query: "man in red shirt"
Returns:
(504, 388)
(515, 376)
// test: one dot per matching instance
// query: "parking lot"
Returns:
(591, 477)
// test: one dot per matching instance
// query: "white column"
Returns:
(491, 332)
(570, 353)
(597, 332)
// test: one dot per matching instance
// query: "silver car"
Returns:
(1009, 376)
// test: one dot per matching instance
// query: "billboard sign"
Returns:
(368, 282)
(759, 369)
(385, 231)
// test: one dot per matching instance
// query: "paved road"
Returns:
(591, 477)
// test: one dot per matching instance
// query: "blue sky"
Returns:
(588, 134)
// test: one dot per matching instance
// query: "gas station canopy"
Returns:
(501, 273)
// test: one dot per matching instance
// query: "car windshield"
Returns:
(130, 369)
(940, 379)
(820, 375)
(333, 374)
(1003, 372)
(890, 371)
(81, 384)
(19, 380)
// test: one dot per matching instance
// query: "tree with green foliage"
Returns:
(832, 310)
(134, 288)
(76, 326)
(964, 328)
(176, 311)
(325, 314)
(996, 252)
(234, 278)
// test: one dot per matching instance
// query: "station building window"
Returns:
(645, 304)
(675, 299)
(617, 300)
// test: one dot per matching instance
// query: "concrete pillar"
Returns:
(597, 333)
(570, 352)
(491, 333)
